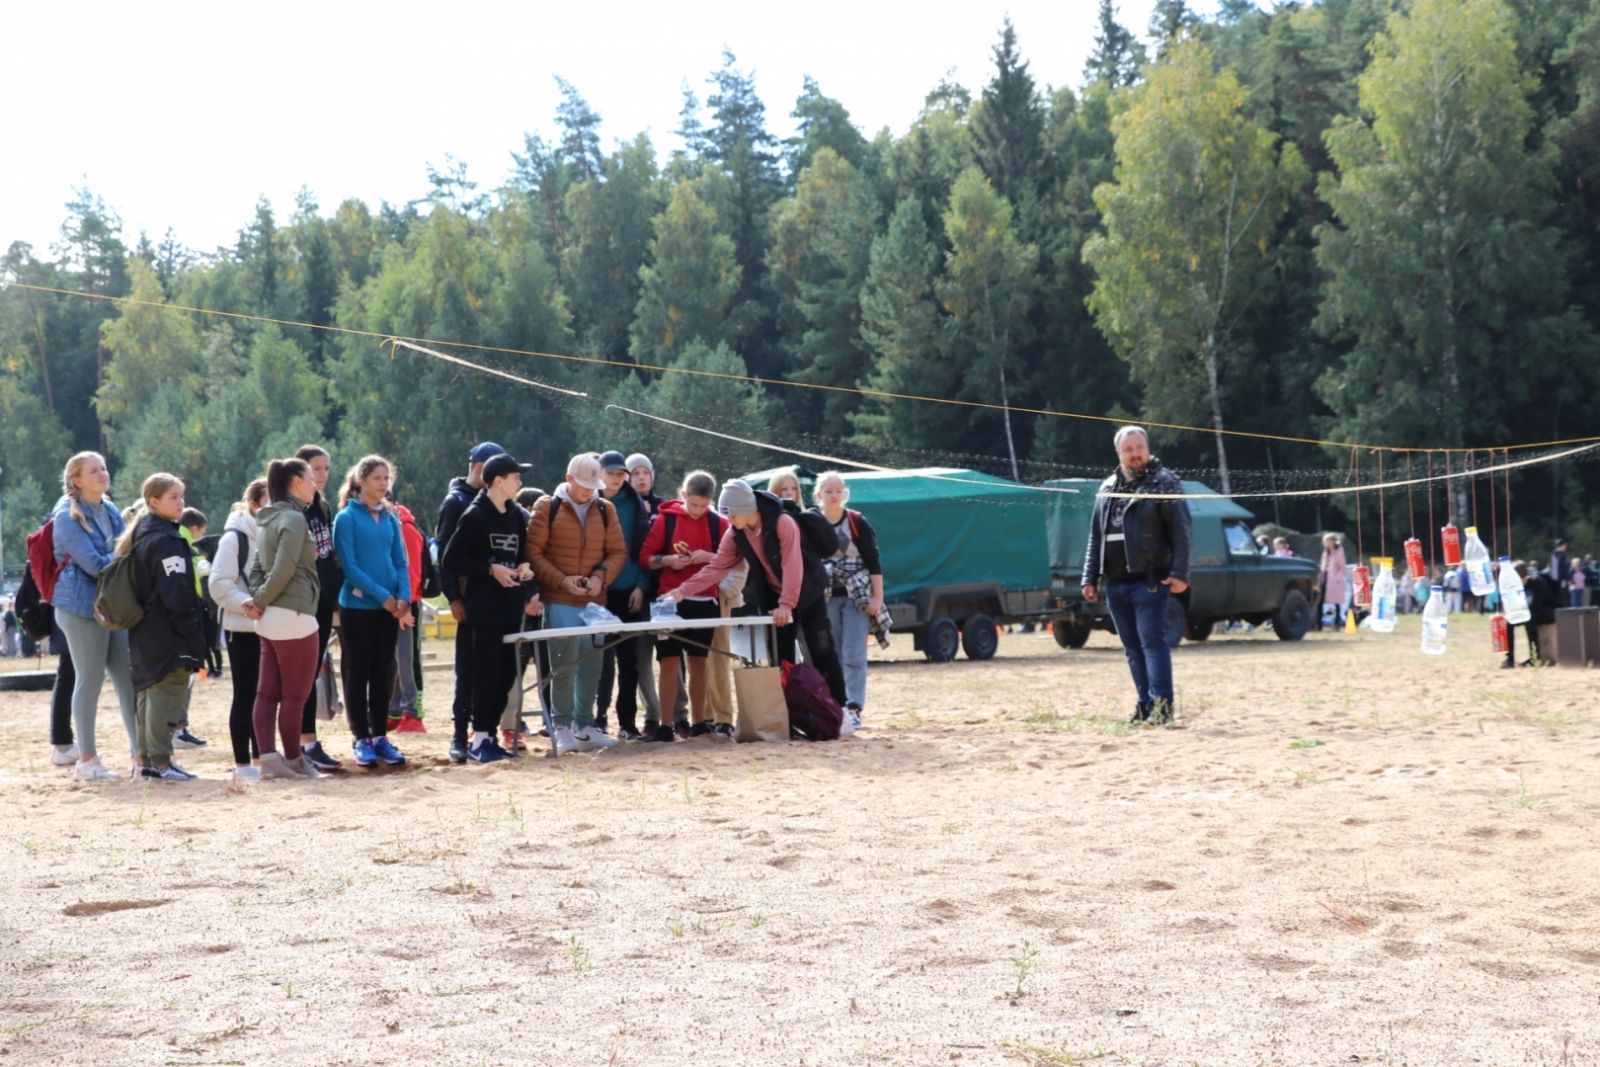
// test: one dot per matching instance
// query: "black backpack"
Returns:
(605, 510)
(34, 613)
(816, 532)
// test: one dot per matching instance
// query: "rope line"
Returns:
(853, 390)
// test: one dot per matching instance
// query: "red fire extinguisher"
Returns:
(1452, 544)
(1500, 633)
(1414, 563)
(1361, 579)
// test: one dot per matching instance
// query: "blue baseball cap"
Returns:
(486, 451)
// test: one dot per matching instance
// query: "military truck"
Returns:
(1229, 579)
(963, 552)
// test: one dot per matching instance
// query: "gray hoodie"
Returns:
(228, 577)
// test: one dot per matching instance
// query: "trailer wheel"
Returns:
(1069, 632)
(1199, 629)
(979, 638)
(27, 681)
(942, 640)
(1293, 616)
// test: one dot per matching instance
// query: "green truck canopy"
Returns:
(1069, 515)
(945, 526)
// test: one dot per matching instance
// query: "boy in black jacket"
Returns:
(169, 643)
(485, 552)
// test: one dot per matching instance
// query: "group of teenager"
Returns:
(292, 572)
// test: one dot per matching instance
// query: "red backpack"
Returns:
(813, 713)
(42, 559)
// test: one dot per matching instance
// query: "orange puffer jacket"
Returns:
(573, 549)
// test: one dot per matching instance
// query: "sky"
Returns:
(183, 115)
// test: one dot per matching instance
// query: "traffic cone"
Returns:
(1350, 621)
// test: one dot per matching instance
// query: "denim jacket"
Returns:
(85, 553)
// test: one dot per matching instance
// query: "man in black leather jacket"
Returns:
(1139, 552)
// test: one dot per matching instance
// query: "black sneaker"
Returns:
(724, 729)
(1160, 712)
(170, 773)
(184, 739)
(628, 733)
(662, 733)
(318, 757)
(458, 749)
(600, 723)
(1141, 714)
(700, 729)
(682, 730)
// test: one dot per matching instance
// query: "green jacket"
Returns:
(284, 573)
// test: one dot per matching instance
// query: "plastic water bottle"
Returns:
(1480, 571)
(1384, 592)
(1513, 597)
(1435, 622)
(664, 607)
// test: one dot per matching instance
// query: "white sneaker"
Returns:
(273, 765)
(92, 770)
(564, 741)
(65, 756)
(303, 767)
(247, 774)
(589, 738)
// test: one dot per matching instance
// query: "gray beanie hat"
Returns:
(637, 460)
(737, 499)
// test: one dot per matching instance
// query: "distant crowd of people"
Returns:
(293, 573)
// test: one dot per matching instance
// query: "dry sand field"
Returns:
(1348, 853)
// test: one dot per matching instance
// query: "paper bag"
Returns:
(763, 714)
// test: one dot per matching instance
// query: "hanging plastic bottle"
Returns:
(1475, 557)
(1414, 565)
(1452, 544)
(1384, 592)
(1500, 633)
(1435, 622)
(1513, 597)
(1361, 582)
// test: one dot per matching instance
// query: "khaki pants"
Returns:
(156, 715)
(719, 679)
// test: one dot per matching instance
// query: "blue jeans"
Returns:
(849, 626)
(572, 689)
(1141, 618)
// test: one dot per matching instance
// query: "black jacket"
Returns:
(1544, 597)
(1159, 532)
(813, 584)
(455, 504)
(484, 536)
(171, 636)
(865, 537)
(330, 575)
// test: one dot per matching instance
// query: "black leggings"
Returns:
(621, 665)
(813, 622)
(244, 659)
(366, 653)
(61, 697)
(308, 719)
(494, 672)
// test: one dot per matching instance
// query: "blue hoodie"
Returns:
(373, 556)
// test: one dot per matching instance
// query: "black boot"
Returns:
(1160, 712)
(1141, 713)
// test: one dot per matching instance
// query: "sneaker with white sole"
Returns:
(304, 768)
(92, 770)
(273, 765)
(564, 741)
(184, 739)
(65, 755)
(591, 738)
(170, 773)
(250, 774)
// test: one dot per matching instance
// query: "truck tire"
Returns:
(942, 640)
(28, 681)
(1293, 616)
(1069, 632)
(979, 639)
(1199, 629)
(1177, 622)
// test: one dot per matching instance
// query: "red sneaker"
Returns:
(408, 724)
(512, 741)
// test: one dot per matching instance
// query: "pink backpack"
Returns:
(813, 713)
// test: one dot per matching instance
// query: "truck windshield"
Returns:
(1240, 543)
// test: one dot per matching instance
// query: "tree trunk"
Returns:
(1005, 403)
(1216, 412)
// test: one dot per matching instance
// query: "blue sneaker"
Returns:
(486, 751)
(365, 755)
(387, 752)
(318, 757)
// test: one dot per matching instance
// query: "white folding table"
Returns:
(753, 640)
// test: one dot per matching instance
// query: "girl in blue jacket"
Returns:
(374, 604)
(87, 525)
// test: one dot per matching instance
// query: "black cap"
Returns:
(502, 465)
(613, 461)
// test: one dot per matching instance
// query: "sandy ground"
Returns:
(995, 871)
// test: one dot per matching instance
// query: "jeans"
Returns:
(406, 654)
(621, 665)
(1141, 618)
(159, 708)
(849, 626)
(574, 670)
(98, 653)
(366, 642)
